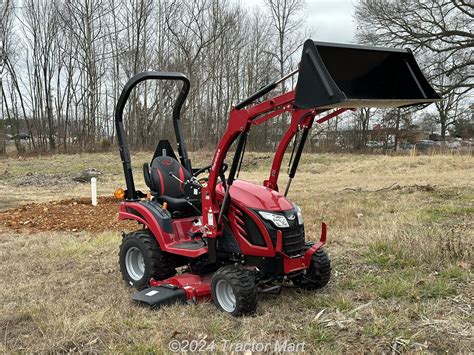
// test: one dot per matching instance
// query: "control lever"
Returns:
(192, 179)
(177, 178)
(192, 187)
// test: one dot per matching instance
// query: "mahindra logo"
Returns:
(291, 217)
(166, 162)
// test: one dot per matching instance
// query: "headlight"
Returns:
(277, 219)
(299, 213)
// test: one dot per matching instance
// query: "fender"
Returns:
(160, 223)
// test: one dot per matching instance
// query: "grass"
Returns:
(390, 254)
(441, 213)
(316, 333)
(402, 260)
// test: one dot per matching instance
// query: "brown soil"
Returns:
(67, 215)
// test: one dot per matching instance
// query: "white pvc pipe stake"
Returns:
(94, 191)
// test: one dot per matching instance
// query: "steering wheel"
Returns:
(206, 168)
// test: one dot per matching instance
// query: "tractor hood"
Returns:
(333, 75)
(256, 196)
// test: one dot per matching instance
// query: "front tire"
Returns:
(141, 259)
(318, 273)
(234, 290)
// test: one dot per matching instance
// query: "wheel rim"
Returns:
(134, 263)
(225, 295)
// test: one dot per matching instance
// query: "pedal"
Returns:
(194, 235)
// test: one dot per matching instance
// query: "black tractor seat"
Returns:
(166, 178)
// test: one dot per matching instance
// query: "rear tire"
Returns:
(318, 273)
(234, 290)
(141, 259)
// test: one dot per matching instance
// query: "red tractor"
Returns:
(233, 239)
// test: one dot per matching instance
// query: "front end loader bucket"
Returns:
(335, 75)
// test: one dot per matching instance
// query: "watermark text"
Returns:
(203, 345)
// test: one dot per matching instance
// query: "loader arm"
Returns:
(301, 120)
(330, 76)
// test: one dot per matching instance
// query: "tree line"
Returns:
(441, 35)
(65, 62)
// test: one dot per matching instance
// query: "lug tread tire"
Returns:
(243, 286)
(319, 272)
(160, 265)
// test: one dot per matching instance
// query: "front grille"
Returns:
(293, 241)
(293, 237)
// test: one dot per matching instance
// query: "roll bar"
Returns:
(121, 135)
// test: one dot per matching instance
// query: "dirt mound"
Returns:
(395, 186)
(67, 215)
(251, 162)
(36, 179)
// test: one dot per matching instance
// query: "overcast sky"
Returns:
(331, 20)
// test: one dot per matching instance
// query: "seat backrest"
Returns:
(162, 183)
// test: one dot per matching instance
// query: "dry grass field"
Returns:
(400, 235)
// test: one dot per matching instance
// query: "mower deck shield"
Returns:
(158, 296)
(350, 76)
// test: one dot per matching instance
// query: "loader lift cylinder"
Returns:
(296, 159)
(232, 173)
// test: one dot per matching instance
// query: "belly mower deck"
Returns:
(193, 288)
(176, 289)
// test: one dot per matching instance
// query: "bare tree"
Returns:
(439, 31)
(71, 59)
(40, 25)
(194, 26)
(84, 22)
(286, 19)
(287, 16)
(5, 37)
(362, 119)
